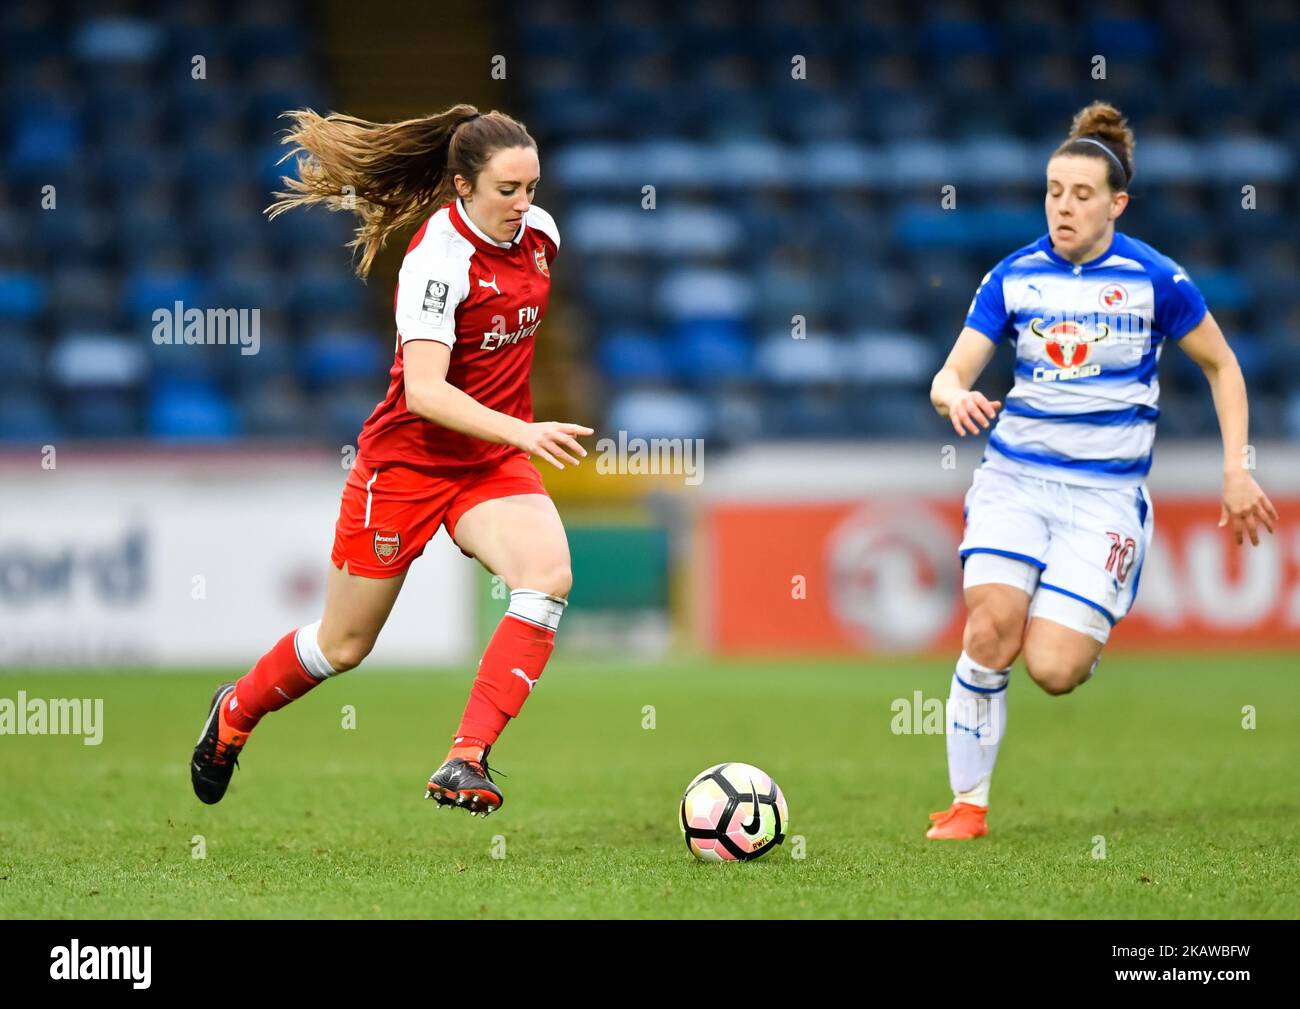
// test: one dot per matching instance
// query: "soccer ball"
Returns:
(733, 812)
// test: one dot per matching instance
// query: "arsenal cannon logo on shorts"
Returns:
(387, 546)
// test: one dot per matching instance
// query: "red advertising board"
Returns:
(883, 575)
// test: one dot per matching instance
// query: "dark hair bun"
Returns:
(1102, 121)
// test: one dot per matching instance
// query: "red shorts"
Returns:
(390, 512)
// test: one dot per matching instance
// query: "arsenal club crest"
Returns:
(539, 258)
(387, 546)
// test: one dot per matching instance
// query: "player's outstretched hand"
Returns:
(1246, 506)
(968, 408)
(553, 441)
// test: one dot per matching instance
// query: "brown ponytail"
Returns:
(391, 175)
(1100, 131)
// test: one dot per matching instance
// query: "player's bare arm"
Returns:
(431, 396)
(951, 391)
(1245, 505)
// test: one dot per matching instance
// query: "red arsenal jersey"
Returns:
(484, 299)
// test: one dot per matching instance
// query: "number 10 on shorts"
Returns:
(1122, 551)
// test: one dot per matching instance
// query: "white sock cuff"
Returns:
(537, 608)
(977, 796)
(309, 654)
(981, 679)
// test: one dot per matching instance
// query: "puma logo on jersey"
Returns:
(524, 676)
(489, 283)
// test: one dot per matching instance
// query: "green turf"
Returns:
(1199, 815)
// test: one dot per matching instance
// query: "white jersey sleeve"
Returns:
(433, 281)
(545, 223)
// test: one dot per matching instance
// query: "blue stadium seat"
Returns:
(160, 286)
(116, 40)
(44, 137)
(273, 406)
(631, 355)
(345, 410)
(22, 296)
(341, 353)
(88, 359)
(24, 360)
(317, 287)
(659, 413)
(25, 416)
(191, 409)
(102, 413)
(816, 357)
(705, 351)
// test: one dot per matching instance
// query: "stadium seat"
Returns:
(776, 197)
(191, 409)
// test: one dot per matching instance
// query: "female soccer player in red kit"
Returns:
(449, 445)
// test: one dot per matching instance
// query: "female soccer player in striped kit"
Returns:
(450, 444)
(1058, 519)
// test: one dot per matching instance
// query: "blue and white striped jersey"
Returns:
(1088, 338)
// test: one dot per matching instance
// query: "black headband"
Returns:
(1109, 153)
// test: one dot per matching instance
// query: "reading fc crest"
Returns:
(1113, 297)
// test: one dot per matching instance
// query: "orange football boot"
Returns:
(961, 821)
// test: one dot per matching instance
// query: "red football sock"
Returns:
(276, 679)
(512, 663)
(468, 748)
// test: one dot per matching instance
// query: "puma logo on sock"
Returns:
(524, 676)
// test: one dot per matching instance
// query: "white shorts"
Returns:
(1077, 551)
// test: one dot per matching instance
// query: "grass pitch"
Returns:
(1198, 814)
